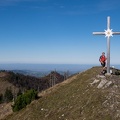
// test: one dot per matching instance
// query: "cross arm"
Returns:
(98, 33)
(116, 33)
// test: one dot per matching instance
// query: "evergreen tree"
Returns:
(8, 96)
(1, 98)
(19, 92)
(24, 99)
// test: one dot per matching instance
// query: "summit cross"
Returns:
(108, 33)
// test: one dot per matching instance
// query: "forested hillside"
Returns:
(28, 82)
(15, 84)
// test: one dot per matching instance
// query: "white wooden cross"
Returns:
(108, 33)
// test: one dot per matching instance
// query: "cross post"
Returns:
(108, 33)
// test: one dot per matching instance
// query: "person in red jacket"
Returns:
(102, 60)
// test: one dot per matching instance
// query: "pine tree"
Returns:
(8, 96)
(19, 92)
(24, 99)
(1, 98)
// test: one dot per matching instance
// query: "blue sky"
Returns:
(57, 31)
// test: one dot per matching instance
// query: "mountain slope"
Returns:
(86, 96)
(5, 108)
(19, 82)
(4, 83)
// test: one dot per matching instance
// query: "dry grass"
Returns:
(5, 110)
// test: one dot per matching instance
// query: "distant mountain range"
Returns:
(39, 74)
(40, 70)
(32, 73)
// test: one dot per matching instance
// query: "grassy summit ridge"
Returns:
(78, 98)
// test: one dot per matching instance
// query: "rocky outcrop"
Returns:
(111, 84)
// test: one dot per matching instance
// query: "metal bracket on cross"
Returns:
(108, 33)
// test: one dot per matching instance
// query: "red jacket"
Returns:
(102, 58)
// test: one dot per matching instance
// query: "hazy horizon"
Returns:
(44, 67)
(37, 67)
